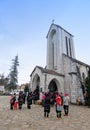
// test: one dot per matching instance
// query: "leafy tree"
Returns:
(2, 79)
(6, 82)
(13, 76)
(87, 85)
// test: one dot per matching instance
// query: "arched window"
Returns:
(83, 76)
(53, 49)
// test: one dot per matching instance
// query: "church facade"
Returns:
(63, 72)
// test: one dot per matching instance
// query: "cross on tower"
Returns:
(53, 21)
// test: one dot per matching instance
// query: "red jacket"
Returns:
(58, 100)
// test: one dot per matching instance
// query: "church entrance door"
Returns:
(36, 85)
(52, 86)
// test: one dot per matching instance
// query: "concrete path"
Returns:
(78, 119)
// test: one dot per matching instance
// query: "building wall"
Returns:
(36, 72)
(73, 78)
(45, 79)
(59, 80)
(69, 83)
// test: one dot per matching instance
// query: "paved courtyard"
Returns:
(78, 119)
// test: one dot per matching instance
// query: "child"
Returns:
(58, 106)
(15, 105)
(12, 101)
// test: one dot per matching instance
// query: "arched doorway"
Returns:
(53, 86)
(53, 89)
(36, 82)
(36, 86)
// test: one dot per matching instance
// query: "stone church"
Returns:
(63, 72)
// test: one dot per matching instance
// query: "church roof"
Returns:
(77, 61)
(58, 27)
(44, 70)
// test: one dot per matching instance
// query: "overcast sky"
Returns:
(24, 25)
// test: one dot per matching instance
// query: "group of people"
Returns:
(60, 101)
(48, 99)
(18, 102)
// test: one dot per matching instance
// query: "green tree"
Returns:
(87, 85)
(2, 79)
(13, 75)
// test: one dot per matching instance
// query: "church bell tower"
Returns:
(59, 42)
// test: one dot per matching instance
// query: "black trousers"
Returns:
(11, 106)
(66, 109)
(46, 114)
(58, 114)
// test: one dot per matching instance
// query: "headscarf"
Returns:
(66, 94)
